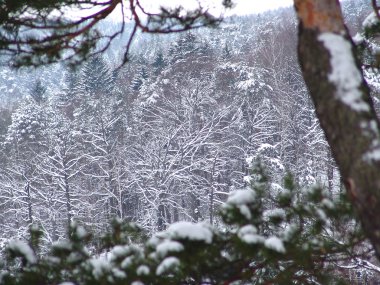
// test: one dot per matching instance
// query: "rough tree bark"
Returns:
(343, 105)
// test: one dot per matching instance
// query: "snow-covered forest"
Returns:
(166, 137)
(199, 161)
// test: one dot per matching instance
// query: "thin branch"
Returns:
(376, 8)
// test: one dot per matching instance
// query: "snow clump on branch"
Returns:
(344, 72)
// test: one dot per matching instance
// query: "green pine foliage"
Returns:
(226, 52)
(97, 77)
(159, 63)
(291, 238)
(38, 92)
(140, 77)
(367, 42)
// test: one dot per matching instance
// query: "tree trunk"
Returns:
(162, 213)
(330, 170)
(112, 188)
(195, 204)
(343, 105)
(160, 218)
(29, 203)
(68, 198)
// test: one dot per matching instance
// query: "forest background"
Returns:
(167, 137)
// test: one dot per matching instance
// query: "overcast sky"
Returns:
(243, 7)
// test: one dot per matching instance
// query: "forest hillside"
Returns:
(166, 137)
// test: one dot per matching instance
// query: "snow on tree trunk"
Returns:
(343, 105)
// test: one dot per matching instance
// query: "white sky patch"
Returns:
(215, 7)
(242, 7)
(344, 73)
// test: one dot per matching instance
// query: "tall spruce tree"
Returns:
(141, 75)
(96, 77)
(38, 92)
(159, 63)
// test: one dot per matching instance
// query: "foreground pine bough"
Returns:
(293, 238)
(38, 32)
